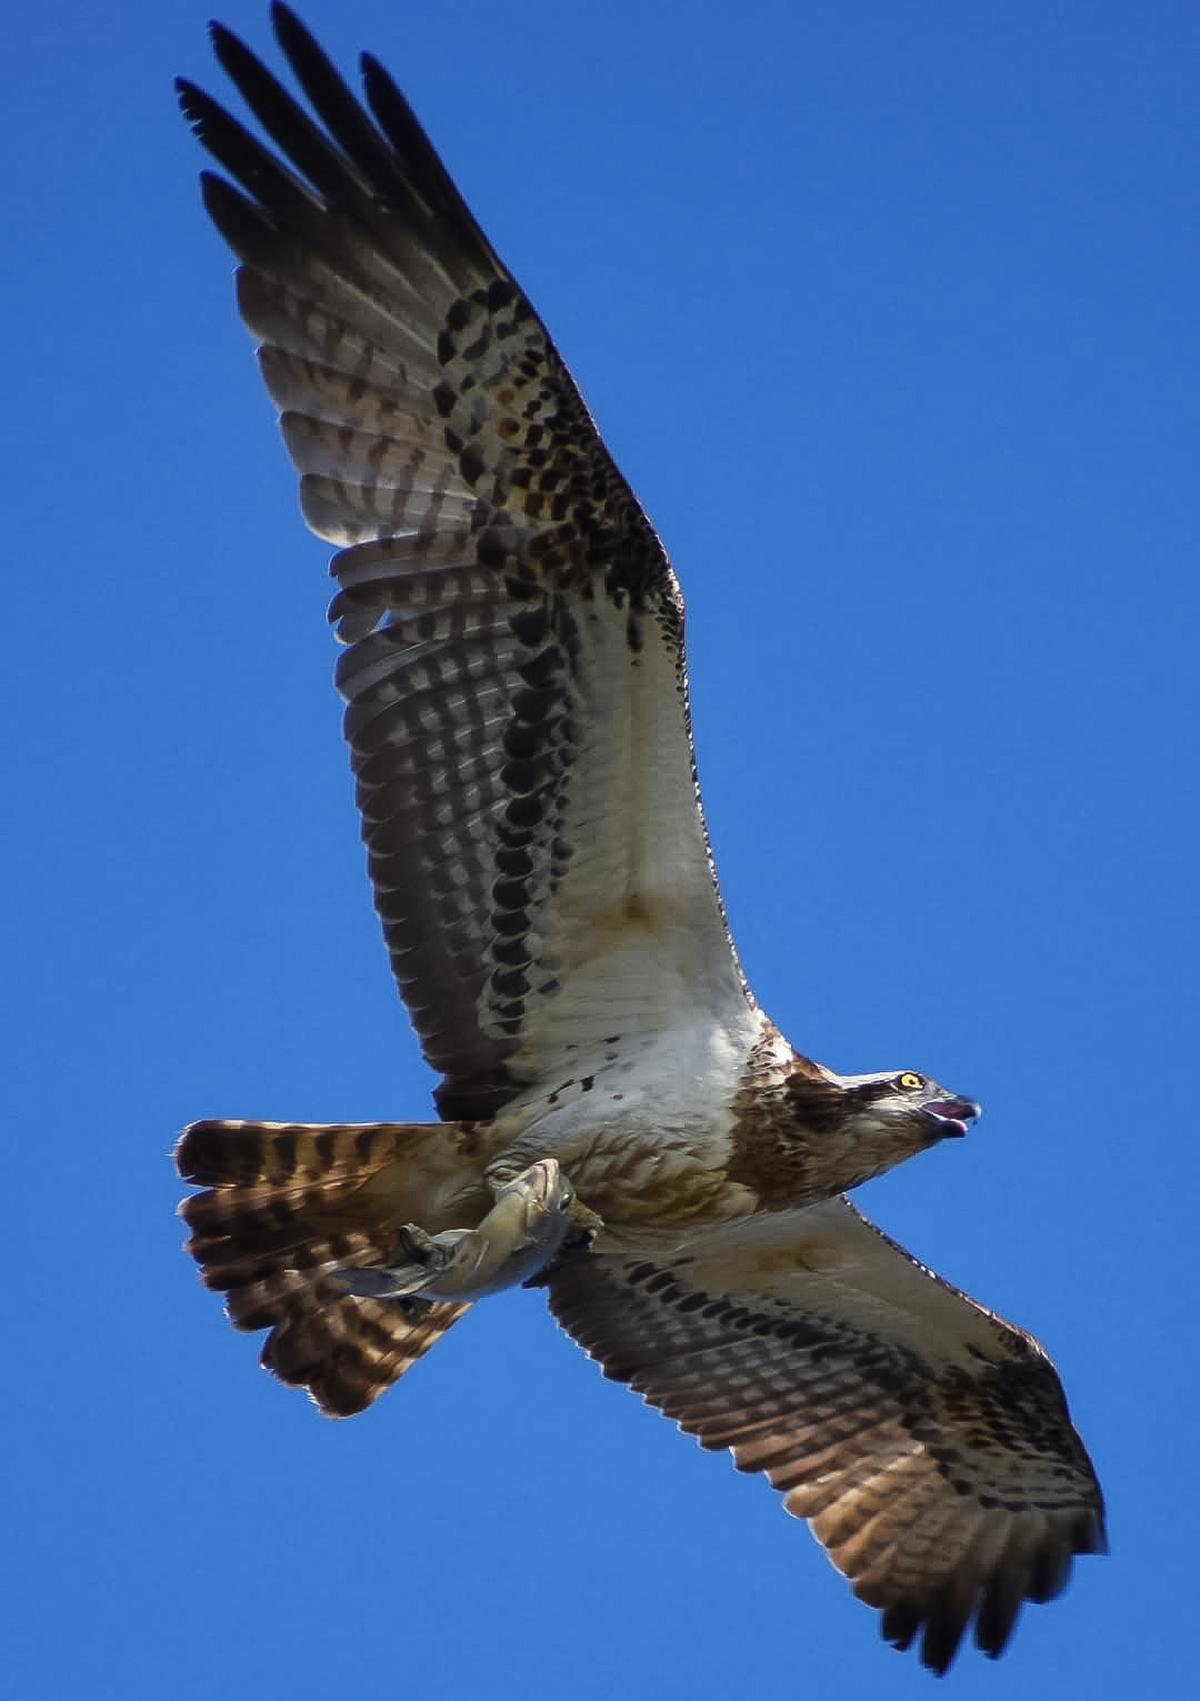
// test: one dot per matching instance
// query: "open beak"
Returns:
(952, 1117)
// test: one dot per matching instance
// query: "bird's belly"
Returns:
(642, 1132)
(651, 1180)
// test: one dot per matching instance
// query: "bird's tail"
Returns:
(288, 1203)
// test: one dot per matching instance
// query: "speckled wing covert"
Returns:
(517, 702)
(926, 1440)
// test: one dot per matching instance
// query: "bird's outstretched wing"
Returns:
(926, 1441)
(517, 701)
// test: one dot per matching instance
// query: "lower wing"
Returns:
(926, 1440)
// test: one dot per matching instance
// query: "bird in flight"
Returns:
(621, 1123)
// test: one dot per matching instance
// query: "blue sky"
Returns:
(889, 315)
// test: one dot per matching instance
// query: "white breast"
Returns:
(672, 1087)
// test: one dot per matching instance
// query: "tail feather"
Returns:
(346, 1351)
(286, 1204)
(291, 1153)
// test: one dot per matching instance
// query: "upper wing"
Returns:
(515, 678)
(926, 1440)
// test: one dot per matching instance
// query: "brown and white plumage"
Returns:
(518, 722)
(926, 1440)
(514, 628)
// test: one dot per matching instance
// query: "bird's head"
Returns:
(865, 1124)
(907, 1101)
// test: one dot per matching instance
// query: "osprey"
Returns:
(621, 1123)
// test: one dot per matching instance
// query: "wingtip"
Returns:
(938, 1650)
(1095, 1538)
(944, 1631)
(381, 88)
(190, 99)
(294, 38)
(284, 19)
(898, 1625)
(233, 56)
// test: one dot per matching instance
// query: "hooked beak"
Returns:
(952, 1117)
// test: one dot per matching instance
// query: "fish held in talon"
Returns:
(526, 1228)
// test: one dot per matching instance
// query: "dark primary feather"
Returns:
(516, 705)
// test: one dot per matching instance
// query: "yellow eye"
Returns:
(910, 1082)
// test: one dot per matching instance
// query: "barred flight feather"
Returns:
(926, 1441)
(442, 442)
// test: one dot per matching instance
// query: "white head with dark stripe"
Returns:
(905, 1100)
(878, 1120)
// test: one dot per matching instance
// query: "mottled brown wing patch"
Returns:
(500, 590)
(937, 1466)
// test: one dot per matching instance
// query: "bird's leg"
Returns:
(415, 1266)
(585, 1224)
(414, 1246)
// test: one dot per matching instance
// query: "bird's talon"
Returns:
(585, 1224)
(415, 1245)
